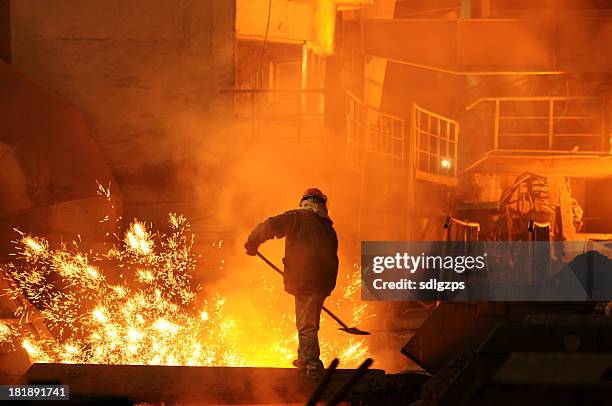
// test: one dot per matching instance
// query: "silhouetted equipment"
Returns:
(547, 358)
(458, 230)
(453, 326)
(49, 165)
(589, 273)
(538, 231)
(540, 252)
(526, 200)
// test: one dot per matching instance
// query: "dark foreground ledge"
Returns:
(217, 385)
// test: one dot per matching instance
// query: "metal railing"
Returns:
(281, 113)
(436, 139)
(369, 131)
(458, 230)
(548, 124)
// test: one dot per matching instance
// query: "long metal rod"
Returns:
(350, 330)
(277, 269)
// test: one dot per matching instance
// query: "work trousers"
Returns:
(307, 317)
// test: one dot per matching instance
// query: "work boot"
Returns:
(299, 364)
(314, 375)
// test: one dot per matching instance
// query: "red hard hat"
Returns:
(314, 193)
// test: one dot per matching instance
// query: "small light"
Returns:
(445, 163)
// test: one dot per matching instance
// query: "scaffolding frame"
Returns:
(299, 112)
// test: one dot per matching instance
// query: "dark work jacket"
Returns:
(311, 250)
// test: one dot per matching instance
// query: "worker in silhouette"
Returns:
(310, 265)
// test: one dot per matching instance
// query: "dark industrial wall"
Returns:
(5, 30)
(146, 75)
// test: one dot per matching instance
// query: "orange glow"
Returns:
(156, 314)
